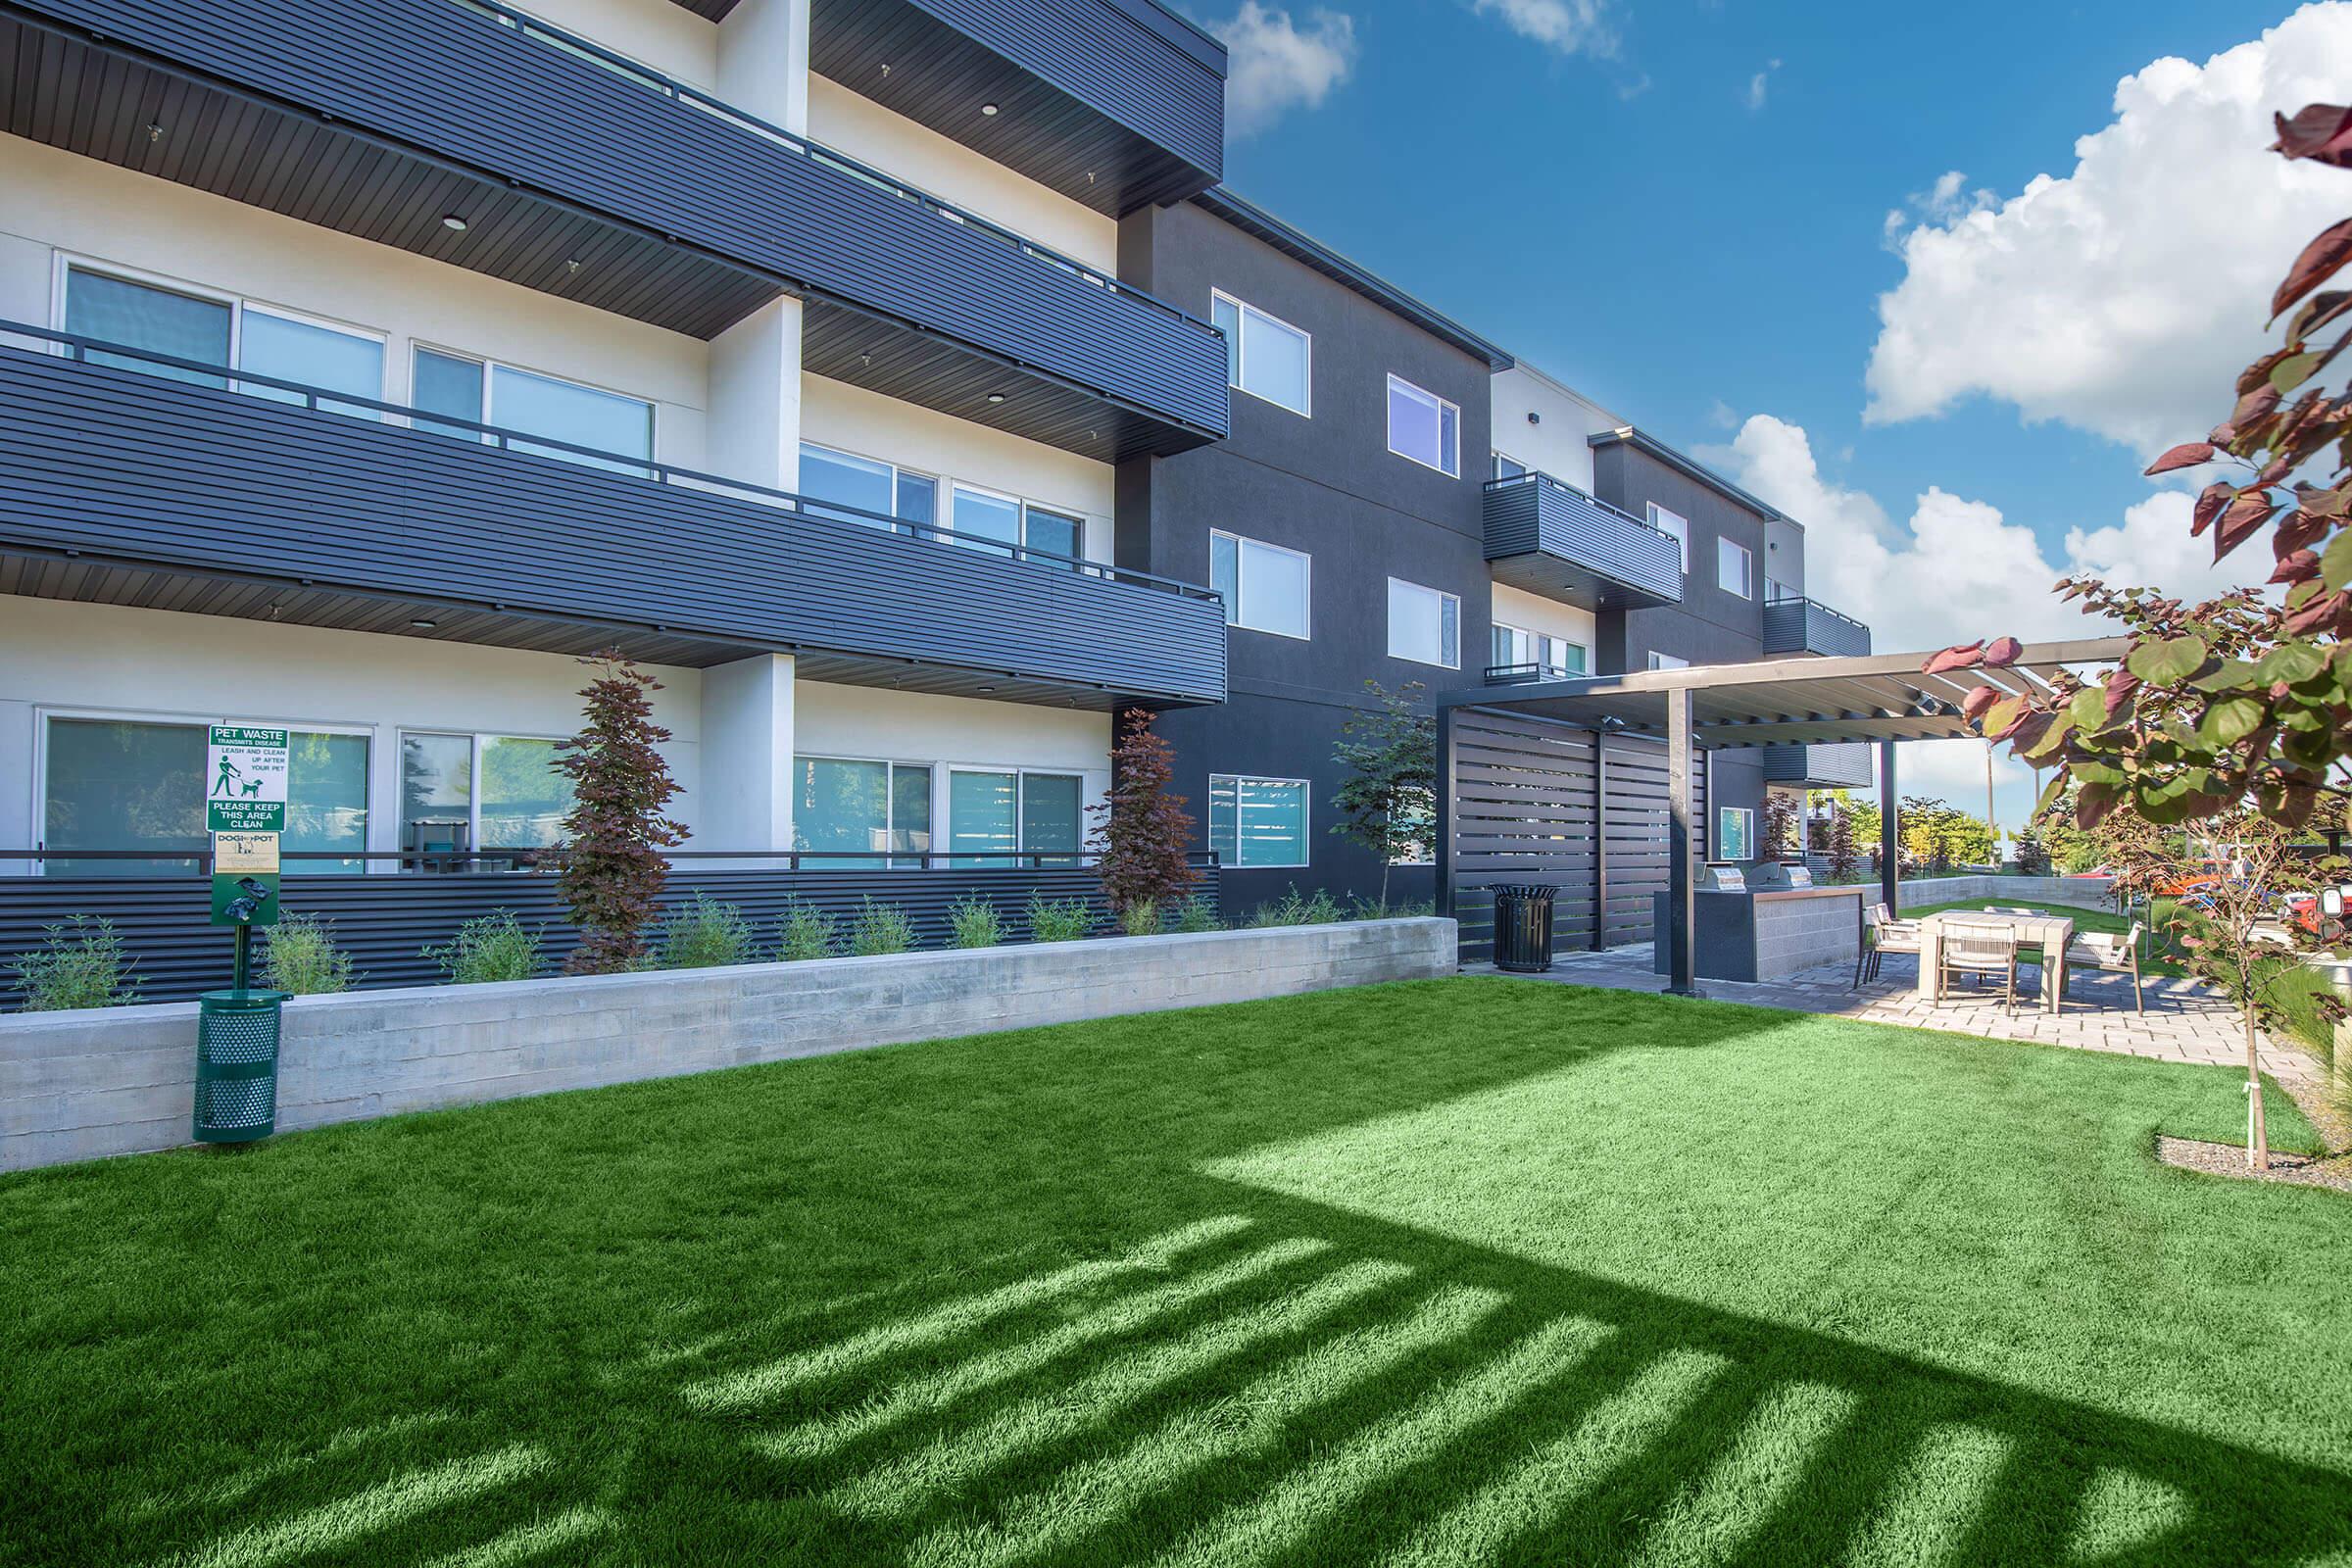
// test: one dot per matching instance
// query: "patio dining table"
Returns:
(2049, 932)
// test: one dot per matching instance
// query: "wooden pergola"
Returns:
(1883, 698)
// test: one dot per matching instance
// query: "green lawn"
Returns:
(1465, 1271)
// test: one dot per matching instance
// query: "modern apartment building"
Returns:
(366, 362)
(894, 380)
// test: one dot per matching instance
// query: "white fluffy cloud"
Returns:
(1760, 86)
(1571, 26)
(1274, 65)
(2122, 297)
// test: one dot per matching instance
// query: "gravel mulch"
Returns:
(2230, 1159)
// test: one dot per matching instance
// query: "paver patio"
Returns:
(2184, 1020)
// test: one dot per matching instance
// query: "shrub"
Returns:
(1364, 908)
(1141, 830)
(974, 923)
(1140, 918)
(488, 948)
(1060, 920)
(880, 928)
(1195, 914)
(83, 971)
(302, 958)
(705, 935)
(1292, 909)
(808, 933)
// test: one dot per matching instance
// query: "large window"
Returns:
(1425, 625)
(227, 331)
(1257, 821)
(984, 516)
(1424, 427)
(1552, 658)
(869, 485)
(1736, 834)
(994, 814)
(1265, 356)
(1266, 587)
(1507, 467)
(855, 807)
(1735, 569)
(1675, 523)
(488, 393)
(459, 792)
(138, 784)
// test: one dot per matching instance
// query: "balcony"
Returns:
(1117, 104)
(1798, 625)
(1530, 674)
(120, 486)
(1550, 538)
(1836, 765)
(573, 172)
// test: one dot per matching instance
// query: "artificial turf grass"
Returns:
(1478, 1270)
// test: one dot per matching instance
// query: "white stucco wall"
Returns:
(53, 203)
(836, 415)
(1513, 606)
(1555, 444)
(924, 158)
(148, 664)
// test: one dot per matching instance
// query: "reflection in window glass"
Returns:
(565, 411)
(1052, 532)
(326, 799)
(981, 517)
(114, 784)
(524, 799)
(1264, 357)
(910, 813)
(1257, 821)
(981, 818)
(1265, 587)
(313, 354)
(1424, 624)
(846, 481)
(436, 793)
(157, 319)
(1052, 814)
(443, 384)
(842, 808)
(1424, 427)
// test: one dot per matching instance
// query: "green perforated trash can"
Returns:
(236, 1065)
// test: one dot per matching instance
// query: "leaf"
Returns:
(2249, 511)
(2328, 251)
(2003, 715)
(2088, 708)
(2093, 803)
(2319, 131)
(2120, 684)
(2291, 662)
(1960, 656)
(2319, 310)
(1973, 706)
(2169, 661)
(2295, 567)
(2187, 454)
(2210, 501)
(2335, 566)
(2002, 652)
(2228, 721)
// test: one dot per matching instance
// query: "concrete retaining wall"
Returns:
(2083, 892)
(121, 1080)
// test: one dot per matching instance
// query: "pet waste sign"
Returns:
(245, 779)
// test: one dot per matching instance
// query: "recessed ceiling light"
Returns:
(454, 224)
(988, 688)
(155, 133)
(421, 623)
(989, 110)
(996, 397)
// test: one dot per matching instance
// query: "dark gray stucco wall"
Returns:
(1327, 485)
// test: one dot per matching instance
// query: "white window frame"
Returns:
(491, 361)
(474, 787)
(899, 475)
(1453, 467)
(1307, 822)
(68, 262)
(1747, 816)
(1395, 583)
(1245, 310)
(43, 713)
(895, 860)
(1243, 543)
(1675, 526)
(1724, 550)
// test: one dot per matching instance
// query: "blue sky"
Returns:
(1606, 188)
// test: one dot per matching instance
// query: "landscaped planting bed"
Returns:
(1450, 1272)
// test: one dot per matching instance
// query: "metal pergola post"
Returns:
(1682, 950)
(1890, 842)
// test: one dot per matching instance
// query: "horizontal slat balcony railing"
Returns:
(1796, 624)
(1525, 674)
(119, 461)
(1546, 536)
(472, 84)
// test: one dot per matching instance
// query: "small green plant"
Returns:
(302, 959)
(1360, 907)
(1293, 910)
(83, 971)
(880, 928)
(705, 935)
(1195, 914)
(973, 922)
(1142, 918)
(1059, 920)
(807, 932)
(488, 948)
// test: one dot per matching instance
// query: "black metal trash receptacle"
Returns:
(236, 1065)
(1523, 928)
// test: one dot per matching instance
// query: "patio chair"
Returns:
(2104, 950)
(1977, 949)
(1885, 934)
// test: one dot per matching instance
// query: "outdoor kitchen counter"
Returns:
(1770, 932)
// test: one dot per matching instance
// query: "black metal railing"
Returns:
(1534, 478)
(1775, 595)
(655, 81)
(78, 348)
(168, 862)
(1522, 674)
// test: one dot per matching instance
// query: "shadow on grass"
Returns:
(984, 1304)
